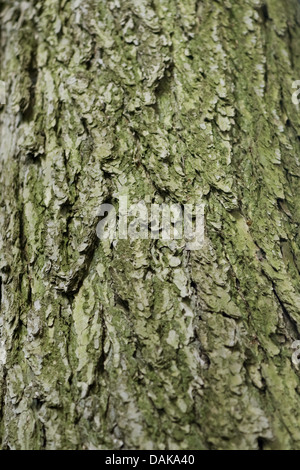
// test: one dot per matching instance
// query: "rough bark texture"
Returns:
(141, 344)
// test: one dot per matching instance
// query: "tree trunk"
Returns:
(143, 344)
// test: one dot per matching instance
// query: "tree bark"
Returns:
(143, 344)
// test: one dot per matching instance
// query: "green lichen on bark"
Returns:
(142, 344)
